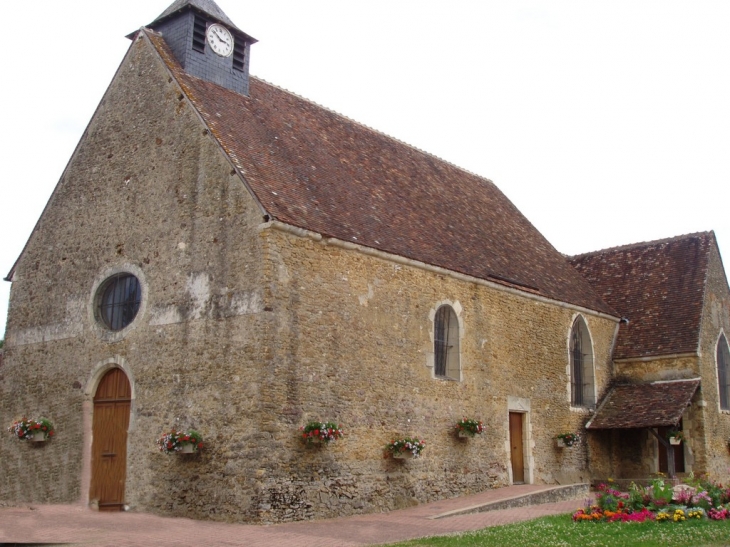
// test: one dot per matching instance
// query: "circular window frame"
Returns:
(99, 287)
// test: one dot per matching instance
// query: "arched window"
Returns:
(723, 378)
(446, 343)
(582, 379)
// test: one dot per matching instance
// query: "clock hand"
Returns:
(223, 38)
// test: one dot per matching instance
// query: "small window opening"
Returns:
(581, 366)
(199, 34)
(239, 52)
(446, 344)
(723, 376)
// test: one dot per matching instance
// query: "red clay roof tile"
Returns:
(657, 404)
(312, 168)
(659, 286)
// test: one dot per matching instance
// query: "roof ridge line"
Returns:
(372, 129)
(640, 244)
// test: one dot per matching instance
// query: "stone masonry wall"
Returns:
(245, 333)
(712, 453)
(352, 344)
(147, 191)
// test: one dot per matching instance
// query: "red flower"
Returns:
(316, 432)
(200, 445)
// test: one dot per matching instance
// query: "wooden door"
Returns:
(515, 442)
(678, 453)
(109, 442)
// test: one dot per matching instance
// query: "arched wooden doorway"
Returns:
(109, 440)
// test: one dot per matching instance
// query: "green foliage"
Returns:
(561, 531)
(638, 498)
(2, 342)
(661, 494)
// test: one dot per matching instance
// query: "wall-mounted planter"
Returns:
(567, 440)
(405, 448)
(675, 440)
(32, 430)
(321, 433)
(469, 427)
(39, 436)
(180, 442)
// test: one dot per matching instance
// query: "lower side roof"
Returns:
(633, 406)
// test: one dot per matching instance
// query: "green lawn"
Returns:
(562, 531)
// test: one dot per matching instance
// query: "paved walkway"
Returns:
(77, 525)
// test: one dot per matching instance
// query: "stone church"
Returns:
(223, 255)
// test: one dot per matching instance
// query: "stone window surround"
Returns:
(720, 337)
(430, 356)
(96, 325)
(569, 366)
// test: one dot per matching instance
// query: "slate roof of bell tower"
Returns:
(208, 7)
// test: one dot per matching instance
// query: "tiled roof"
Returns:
(659, 286)
(312, 168)
(657, 404)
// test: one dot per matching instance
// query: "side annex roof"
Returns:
(658, 286)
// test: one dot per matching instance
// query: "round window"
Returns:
(118, 301)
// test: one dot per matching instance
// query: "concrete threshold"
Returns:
(549, 494)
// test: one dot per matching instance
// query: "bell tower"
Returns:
(206, 43)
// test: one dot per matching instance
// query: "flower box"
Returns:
(405, 448)
(32, 430)
(180, 442)
(468, 427)
(39, 436)
(567, 440)
(321, 432)
(675, 436)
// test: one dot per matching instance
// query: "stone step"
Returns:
(549, 494)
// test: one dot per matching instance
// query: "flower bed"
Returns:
(695, 500)
(405, 447)
(469, 427)
(180, 442)
(26, 430)
(321, 432)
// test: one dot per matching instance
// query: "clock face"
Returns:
(219, 40)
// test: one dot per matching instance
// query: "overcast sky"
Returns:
(606, 123)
